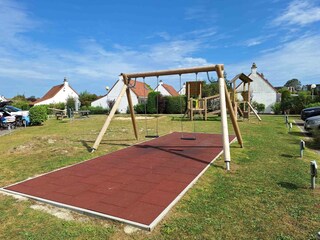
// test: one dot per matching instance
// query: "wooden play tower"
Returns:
(243, 107)
(195, 102)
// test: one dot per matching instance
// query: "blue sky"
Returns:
(92, 42)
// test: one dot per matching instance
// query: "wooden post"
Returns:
(191, 109)
(133, 119)
(108, 120)
(235, 105)
(248, 100)
(233, 118)
(205, 109)
(254, 111)
(224, 122)
(243, 95)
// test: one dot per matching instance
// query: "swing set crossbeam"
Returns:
(210, 68)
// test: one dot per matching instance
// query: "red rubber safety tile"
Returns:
(135, 184)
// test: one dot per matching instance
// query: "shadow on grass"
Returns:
(86, 145)
(217, 166)
(196, 118)
(288, 185)
(287, 155)
(301, 134)
(108, 142)
(313, 145)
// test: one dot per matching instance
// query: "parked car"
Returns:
(7, 121)
(22, 117)
(310, 112)
(312, 123)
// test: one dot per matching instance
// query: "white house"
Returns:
(182, 91)
(261, 90)
(165, 89)
(2, 98)
(58, 94)
(139, 94)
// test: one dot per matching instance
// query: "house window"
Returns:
(142, 100)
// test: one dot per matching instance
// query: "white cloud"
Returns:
(202, 13)
(253, 42)
(296, 59)
(14, 21)
(299, 12)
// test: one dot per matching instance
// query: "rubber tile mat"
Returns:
(136, 185)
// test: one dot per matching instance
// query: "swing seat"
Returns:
(188, 138)
(151, 136)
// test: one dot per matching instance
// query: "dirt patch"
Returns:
(18, 197)
(59, 212)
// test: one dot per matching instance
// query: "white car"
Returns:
(312, 123)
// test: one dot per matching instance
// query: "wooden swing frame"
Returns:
(225, 103)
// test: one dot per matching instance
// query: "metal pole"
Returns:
(313, 173)
(302, 147)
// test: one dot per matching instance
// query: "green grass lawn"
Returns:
(265, 196)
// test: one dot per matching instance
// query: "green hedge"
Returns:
(96, 110)
(316, 104)
(152, 103)
(60, 106)
(166, 105)
(139, 108)
(174, 105)
(38, 114)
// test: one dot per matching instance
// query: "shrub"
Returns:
(23, 105)
(276, 108)
(152, 102)
(316, 104)
(139, 108)
(60, 106)
(38, 114)
(260, 107)
(87, 98)
(71, 102)
(175, 104)
(96, 110)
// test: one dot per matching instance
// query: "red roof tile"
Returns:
(170, 90)
(50, 94)
(140, 89)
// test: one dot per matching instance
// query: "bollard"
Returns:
(286, 120)
(313, 173)
(302, 147)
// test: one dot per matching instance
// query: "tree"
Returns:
(86, 98)
(209, 89)
(32, 99)
(286, 100)
(71, 102)
(295, 83)
(21, 102)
